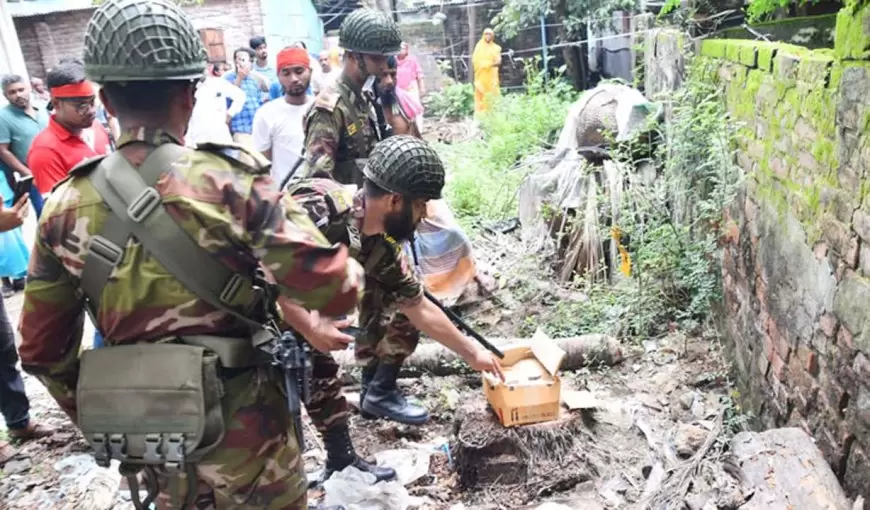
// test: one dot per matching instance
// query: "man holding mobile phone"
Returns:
(254, 85)
(20, 122)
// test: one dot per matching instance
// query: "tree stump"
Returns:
(525, 461)
(786, 471)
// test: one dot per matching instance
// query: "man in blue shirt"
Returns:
(255, 86)
(20, 122)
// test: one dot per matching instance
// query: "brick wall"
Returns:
(45, 39)
(797, 275)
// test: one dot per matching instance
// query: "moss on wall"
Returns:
(785, 97)
(851, 37)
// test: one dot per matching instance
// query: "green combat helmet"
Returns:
(408, 166)
(136, 40)
(369, 31)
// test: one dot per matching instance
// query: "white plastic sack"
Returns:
(356, 490)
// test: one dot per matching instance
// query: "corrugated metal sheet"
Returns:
(25, 8)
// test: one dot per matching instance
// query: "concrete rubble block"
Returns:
(786, 470)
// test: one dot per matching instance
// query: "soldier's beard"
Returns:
(400, 225)
(388, 97)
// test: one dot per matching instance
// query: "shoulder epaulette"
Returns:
(252, 161)
(327, 99)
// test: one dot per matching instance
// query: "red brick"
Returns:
(767, 344)
(779, 342)
(845, 338)
(811, 364)
(777, 367)
(239, 19)
(828, 324)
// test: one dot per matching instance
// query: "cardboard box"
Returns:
(531, 392)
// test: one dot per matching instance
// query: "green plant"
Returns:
(483, 173)
(454, 101)
(668, 225)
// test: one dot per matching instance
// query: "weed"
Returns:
(485, 174)
(453, 102)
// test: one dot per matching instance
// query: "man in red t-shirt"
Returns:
(73, 133)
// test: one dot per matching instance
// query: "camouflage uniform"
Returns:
(388, 337)
(338, 132)
(341, 128)
(339, 135)
(233, 209)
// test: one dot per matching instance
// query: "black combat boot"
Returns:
(383, 398)
(340, 454)
(368, 373)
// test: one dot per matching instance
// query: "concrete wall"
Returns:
(46, 38)
(797, 268)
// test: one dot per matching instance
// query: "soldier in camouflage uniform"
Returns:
(401, 176)
(340, 130)
(148, 58)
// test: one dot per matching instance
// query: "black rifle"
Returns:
(293, 357)
(288, 353)
(461, 324)
(293, 170)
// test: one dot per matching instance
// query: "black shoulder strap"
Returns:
(137, 209)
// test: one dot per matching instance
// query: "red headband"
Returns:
(293, 57)
(83, 89)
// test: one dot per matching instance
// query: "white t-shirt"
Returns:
(208, 123)
(278, 127)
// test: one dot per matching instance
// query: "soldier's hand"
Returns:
(325, 334)
(485, 361)
(13, 217)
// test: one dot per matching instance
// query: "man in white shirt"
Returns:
(211, 114)
(328, 74)
(278, 132)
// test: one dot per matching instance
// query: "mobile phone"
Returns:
(22, 187)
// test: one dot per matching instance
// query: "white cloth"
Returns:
(208, 123)
(323, 80)
(278, 127)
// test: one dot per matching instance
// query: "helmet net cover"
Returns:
(371, 32)
(407, 166)
(130, 40)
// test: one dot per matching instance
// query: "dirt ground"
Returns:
(669, 391)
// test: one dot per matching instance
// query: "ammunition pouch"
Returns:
(151, 404)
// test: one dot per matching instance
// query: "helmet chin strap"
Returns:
(361, 64)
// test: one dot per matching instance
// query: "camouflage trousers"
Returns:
(326, 406)
(388, 340)
(258, 464)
